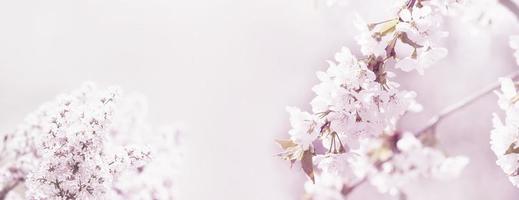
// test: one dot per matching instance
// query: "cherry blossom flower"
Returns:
(394, 165)
(303, 130)
(388, 163)
(505, 135)
(411, 39)
(326, 187)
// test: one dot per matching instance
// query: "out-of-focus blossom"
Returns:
(481, 12)
(388, 163)
(156, 179)
(80, 147)
(398, 159)
(326, 187)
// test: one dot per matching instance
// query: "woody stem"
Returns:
(433, 122)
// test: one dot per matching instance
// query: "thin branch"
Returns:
(511, 6)
(347, 189)
(8, 188)
(462, 104)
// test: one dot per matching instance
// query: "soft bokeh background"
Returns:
(227, 69)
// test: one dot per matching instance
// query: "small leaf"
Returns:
(342, 149)
(512, 149)
(285, 144)
(286, 155)
(307, 164)
(414, 55)
(371, 26)
(515, 99)
(346, 190)
(390, 49)
(402, 196)
(428, 137)
(405, 39)
(388, 27)
(292, 163)
(297, 153)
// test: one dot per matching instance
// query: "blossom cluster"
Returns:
(409, 41)
(351, 136)
(353, 101)
(505, 135)
(82, 146)
(388, 163)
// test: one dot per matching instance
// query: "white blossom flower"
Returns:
(423, 61)
(304, 129)
(505, 135)
(450, 167)
(481, 12)
(326, 187)
(419, 29)
(368, 44)
(396, 163)
(150, 181)
(354, 103)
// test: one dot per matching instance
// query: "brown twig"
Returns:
(433, 122)
(7, 189)
(511, 6)
(347, 189)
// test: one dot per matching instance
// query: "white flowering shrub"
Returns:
(89, 144)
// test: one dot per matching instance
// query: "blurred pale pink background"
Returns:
(227, 69)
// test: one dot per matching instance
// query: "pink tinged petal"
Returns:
(432, 56)
(407, 64)
(508, 88)
(405, 15)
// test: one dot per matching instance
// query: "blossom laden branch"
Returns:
(350, 136)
